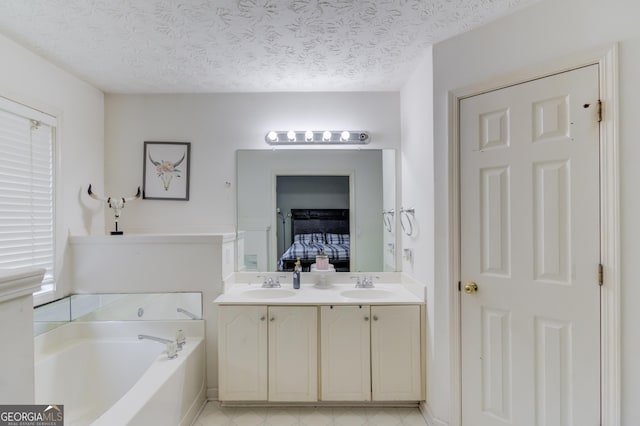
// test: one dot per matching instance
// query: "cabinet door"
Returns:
(345, 353)
(395, 353)
(293, 353)
(242, 353)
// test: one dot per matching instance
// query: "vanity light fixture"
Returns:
(319, 137)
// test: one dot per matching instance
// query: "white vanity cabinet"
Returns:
(242, 353)
(396, 374)
(371, 353)
(293, 353)
(268, 353)
(345, 353)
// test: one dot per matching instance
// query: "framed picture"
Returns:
(166, 170)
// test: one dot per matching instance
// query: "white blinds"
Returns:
(26, 192)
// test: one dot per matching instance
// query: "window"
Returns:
(26, 190)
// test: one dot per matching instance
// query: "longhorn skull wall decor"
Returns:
(116, 204)
(166, 170)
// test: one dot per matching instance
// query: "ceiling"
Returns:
(193, 46)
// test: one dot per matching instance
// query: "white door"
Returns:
(396, 374)
(242, 353)
(529, 212)
(345, 353)
(293, 353)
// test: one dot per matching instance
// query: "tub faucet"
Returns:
(170, 345)
(187, 313)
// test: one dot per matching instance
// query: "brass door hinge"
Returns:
(599, 111)
(600, 274)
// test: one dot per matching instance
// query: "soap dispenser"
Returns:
(296, 275)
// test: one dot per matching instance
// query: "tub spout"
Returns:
(187, 313)
(154, 338)
(171, 346)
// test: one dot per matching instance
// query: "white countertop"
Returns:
(309, 294)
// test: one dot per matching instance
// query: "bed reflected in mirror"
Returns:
(317, 232)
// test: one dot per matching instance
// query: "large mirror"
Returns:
(294, 203)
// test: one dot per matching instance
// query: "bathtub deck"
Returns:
(215, 415)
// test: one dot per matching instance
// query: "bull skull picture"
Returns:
(115, 203)
(166, 170)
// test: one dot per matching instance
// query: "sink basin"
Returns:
(366, 293)
(269, 293)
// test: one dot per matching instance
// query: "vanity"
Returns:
(322, 343)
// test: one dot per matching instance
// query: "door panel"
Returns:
(293, 353)
(345, 353)
(395, 353)
(242, 353)
(529, 238)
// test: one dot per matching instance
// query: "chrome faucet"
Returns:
(269, 282)
(366, 282)
(170, 345)
(187, 313)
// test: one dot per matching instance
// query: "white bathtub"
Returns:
(104, 375)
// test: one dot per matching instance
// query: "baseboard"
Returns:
(212, 394)
(429, 417)
(196, 408)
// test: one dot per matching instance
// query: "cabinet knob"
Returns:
(272, 319)
(366, 318)
(375, 318)
(262, 318)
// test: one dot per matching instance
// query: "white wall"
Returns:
(217, 125)
(79, 107)
(417, 192)
(544, 32)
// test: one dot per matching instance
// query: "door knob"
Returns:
(471, 288)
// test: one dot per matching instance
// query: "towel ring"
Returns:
(409, 214)
(387, 218)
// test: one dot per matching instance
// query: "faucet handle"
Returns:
(277, 284)
(358, 282)
(171, 350)
(180, 339)
(371, 277)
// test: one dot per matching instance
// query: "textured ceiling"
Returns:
(170, 46)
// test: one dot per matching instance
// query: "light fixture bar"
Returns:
(319, 137)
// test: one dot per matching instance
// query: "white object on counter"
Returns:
(314, 268)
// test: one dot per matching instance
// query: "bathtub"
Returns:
(104, 375)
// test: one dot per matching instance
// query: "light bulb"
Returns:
(344, 136)
(291, 135)
(273, 136)
(326, 135)
(308, 135)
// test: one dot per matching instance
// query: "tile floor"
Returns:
(215, 415)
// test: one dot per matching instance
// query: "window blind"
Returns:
(26, 191)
